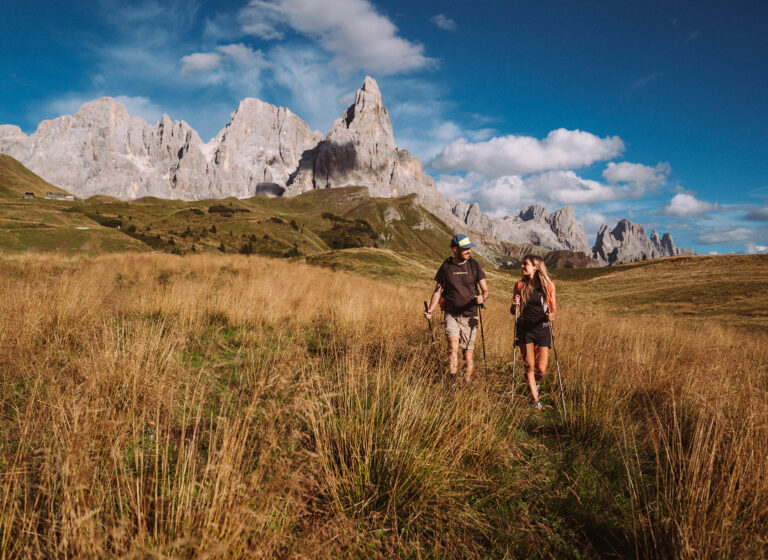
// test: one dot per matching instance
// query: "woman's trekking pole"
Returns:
(557, 363)
(426, 310)
(514, 349)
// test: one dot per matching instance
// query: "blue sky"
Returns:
(655, 111)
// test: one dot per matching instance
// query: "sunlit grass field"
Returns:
(208, 406)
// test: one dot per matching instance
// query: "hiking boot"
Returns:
(537, 406)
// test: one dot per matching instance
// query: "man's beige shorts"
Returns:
(459, 327)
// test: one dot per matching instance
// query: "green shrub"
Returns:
(221, 209)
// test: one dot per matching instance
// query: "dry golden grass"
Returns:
(220, 406)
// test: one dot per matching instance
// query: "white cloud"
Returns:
(757, 215)
(592, 221)
(626, 172)
(199, 62)
(727, 235)
(521, 155)
(443, 22)
(140, 107)
(130, 16)
(504, 196)
(565, 187)
(235, 66)
(507, 194)
(458, 186)
(262, 19)
(353, 31)
(313, 95)
(419, 116)
(241, 54)
(644, 81)
(753, 249)
(684, 205)
(692, 36)
(237, 56)
(347, 99)
(221, 27)
(67, 104)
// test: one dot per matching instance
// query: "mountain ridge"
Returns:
(267, 150)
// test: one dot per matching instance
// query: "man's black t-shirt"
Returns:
(458, 284)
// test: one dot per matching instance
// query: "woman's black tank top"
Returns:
(534, 311)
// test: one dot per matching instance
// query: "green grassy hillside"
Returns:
(726, 288)
(321, 226)
(45, 225)
(15, 180)
(324, 226)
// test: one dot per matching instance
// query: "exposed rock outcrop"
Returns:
(534, 225)
(360, 149)
(628, 242)
(102, 150)
(258, 150)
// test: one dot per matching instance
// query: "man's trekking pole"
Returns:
(557, 363)
(426, 310)
(481, 306)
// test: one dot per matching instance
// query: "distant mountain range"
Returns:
(267, 150)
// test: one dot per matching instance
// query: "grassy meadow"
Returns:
(210, 406)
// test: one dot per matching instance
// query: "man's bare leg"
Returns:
(469, 364)
(453, 360)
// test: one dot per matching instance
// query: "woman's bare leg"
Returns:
(542, 359)
(529, 355)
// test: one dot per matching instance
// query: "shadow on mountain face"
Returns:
(328, 160)
(268, 189)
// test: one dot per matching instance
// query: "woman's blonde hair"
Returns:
(541, 274)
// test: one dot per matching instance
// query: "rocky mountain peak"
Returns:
(102, 112)
(360, 149)
(628, 242)
(533, 212)
(259, 148)
(367, 117)
(11, 131)
(568, 231)
(533, 225)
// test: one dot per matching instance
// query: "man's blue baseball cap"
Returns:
(461, 241)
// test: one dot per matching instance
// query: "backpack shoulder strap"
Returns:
(548, 293)
(519, 287)
(475, 271)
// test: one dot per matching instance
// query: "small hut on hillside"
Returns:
(59, 196)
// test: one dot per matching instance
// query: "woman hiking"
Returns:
(534, 294)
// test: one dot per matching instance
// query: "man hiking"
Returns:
(456, 280)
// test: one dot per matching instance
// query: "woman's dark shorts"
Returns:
(538, 335)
